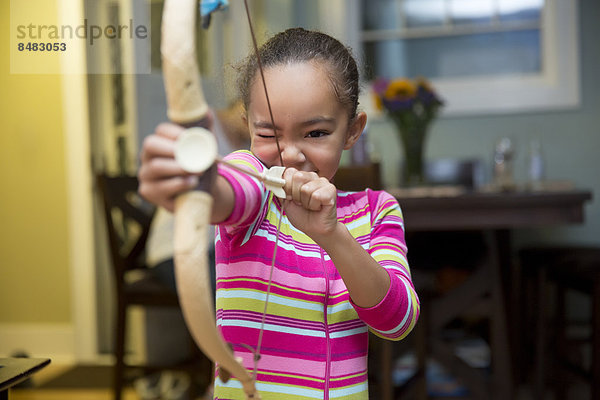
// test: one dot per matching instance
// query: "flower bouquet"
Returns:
(411, 105)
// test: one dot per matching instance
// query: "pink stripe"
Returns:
(258, 270)
(348, 367)
(297, 366)
(347, 382)
(278, 343)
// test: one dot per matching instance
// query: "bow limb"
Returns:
(192, 216)
(186, 105)
(185, 99)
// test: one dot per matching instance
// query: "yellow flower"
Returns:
(378, 102)
(400, 88)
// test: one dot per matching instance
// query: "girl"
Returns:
(340, 269)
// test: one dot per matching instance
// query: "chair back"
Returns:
(358, 177)
(128, 217)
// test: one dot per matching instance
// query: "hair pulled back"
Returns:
(298, 45)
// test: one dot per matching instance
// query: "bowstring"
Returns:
(262, 75)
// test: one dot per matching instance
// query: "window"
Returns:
(483, 56)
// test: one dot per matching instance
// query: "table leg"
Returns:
(385, 354)
(540, 336)
(422, 351)
(512, 289)
(502, 382)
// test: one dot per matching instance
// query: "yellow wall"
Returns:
(34, 264)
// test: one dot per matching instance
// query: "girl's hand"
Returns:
(311, 203)
(161, 179)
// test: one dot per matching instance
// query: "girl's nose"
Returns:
(292, 155)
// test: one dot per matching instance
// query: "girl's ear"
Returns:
(357, 125)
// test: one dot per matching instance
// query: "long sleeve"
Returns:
(397, 313)
(250, 194)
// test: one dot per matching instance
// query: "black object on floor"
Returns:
(82, 377)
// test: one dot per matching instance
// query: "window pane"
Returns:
(385, 58)
(457, 56)
(471, 11)
(424, 12)
(380, 14)
(518, 10)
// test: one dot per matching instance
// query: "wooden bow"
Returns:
(187, 106)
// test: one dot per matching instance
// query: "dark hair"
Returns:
(297, 45)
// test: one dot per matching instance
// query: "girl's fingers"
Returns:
(160, 167)
(160, 176)
(296, 189)
(176, 185)
(163, 192)
(169, 130)
(157, 146)
(162, 142)
(288, 175)
(324, 195)
(302, 188)
(308, 190)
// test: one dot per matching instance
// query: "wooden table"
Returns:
(485, 211)
(15, 370)
(497, 214)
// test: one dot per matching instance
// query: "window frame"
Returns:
(555, 87)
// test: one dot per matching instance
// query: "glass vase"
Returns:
(413, 143)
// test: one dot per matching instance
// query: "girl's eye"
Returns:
(265, 135)
(316, 134)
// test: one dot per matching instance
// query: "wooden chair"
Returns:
(454, 247)
(358, 177)
(565, 268)
(440, 261)
(128, 219)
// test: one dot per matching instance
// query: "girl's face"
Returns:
(312, 125)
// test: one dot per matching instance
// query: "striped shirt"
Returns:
(315, 340)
